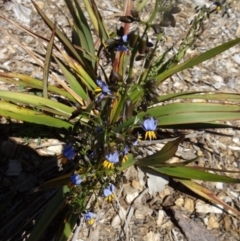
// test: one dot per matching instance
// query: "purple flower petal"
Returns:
(122, 48)
(125, 38)
(89, 215)
(68, 152)
(108, 190)
(113, 157)
(75, 179)
(149, 124)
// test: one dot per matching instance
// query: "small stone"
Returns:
(218, 78)
(131, 196)
(237, 33)
(235, 140)
(236, 58)
(120, 216)
(219, 185)
(161, 215)
(55, 148)
(207, 208)
(139, 214)
(179, 202)
(212, 222)
(164, 193)
(227, 223)
(189, 205)
(136, 185)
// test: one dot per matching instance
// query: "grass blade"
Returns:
(72, 81)
(191, 95)
(20, 113)
(188, 172)
(36, 101)
(47, 64)
(167, 152)
(197, 60)
(28, 81)
(64, 39)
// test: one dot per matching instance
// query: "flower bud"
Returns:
(175, 10)
(129, 80)
(142, 44)
(120, 31)
(153, 90)
(120, 137)
(139, 57)
(133, 37)
(172, 20)
(157, 28)
(164, 23)
(150, 84)
(110, 41)
(147, 63)
(135, 14)
(127, 109)
(150, 44)
(144, 105)
(116, 77)
(126, 19)
(153, 97)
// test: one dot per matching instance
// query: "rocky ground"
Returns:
(174, 213)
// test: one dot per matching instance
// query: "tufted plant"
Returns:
(108, 103)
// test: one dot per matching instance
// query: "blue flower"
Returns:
(108, 192)
(89, 217)
(110, 160)
(122, 48)
(125, 154)
(75, 179)
(150, 126)
(68, 153)
(125, 38)
(103, 88)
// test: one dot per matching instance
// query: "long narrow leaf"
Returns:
(68, 226)
(28, 81)
(64, 39)
(86, 32)
(86, 79)
(199, 125)
(91, 15)
(229, 97)
(47, 63)
(130, 161)
(36, 101)
(20, 113)
(72, 81)
(192, 108)
(187, 172)
(207, 194)
(197, 60)
(103, 34)
(194, 118)
(167, 152)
